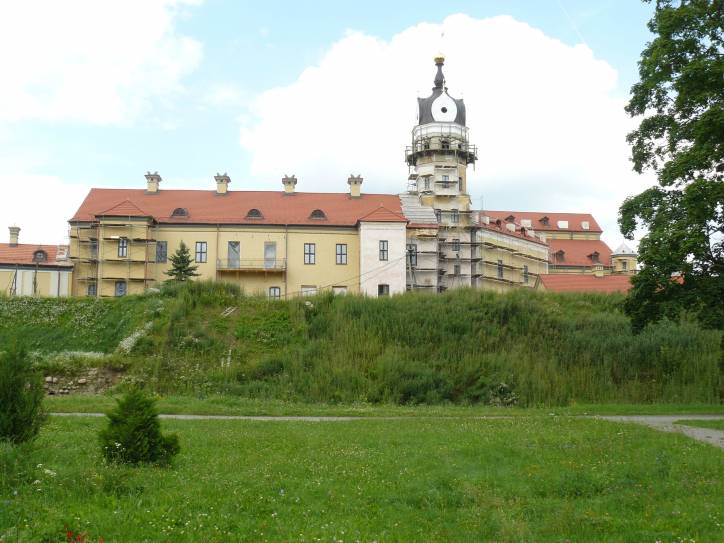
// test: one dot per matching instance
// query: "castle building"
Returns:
(287, 243)
(34, 270)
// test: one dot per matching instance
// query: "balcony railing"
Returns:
(252, 264)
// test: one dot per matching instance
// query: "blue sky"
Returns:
(219, 58)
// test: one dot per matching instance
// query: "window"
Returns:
(427, 183)
(254, 214)
(180, 212)
(594, 257)
(500, 269)
(560, 256)
(121, 288)
(456, 245)
(201, 251)
(525, 274)
(317, 214)
(341, 253)
(233, 253)
(445, 178)
(412, 254)
(438, 215)
(445, 144)
(454, 216)
(545, 221)
(92, 289)
(384, 252)
(161, 251)
(309, 290)
(93, 249)
(460, 184)
(40, 256)
(275, 293)
(339, 291)
(383, 290)
(123, 247)
(310, 253)
(624, 265)
(456, 269)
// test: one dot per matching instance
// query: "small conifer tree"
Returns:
(181, 265)
(21, 397)
(133, 435)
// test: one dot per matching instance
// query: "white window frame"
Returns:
(384, 250)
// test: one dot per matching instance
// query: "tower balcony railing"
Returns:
(433, 145)
(445, 130)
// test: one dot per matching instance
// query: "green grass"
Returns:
(465, 347)
(712, 424)
(218, 404)
(457, 480)
(72, 324)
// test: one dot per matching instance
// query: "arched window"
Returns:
(317, 214)
(40, 256)
(180, 212)
(254, 214)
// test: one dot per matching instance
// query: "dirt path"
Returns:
(664, 423)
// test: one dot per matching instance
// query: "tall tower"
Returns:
(439, 158)
(440, 152)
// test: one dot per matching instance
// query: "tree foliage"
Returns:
(181, 265)
(133, 434)
(680, 97)
(21, 397)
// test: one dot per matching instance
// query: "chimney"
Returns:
(289, 183)
(14, 234)
(152, 182)
(222, 183)
(355, 186)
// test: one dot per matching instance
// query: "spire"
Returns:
(439, 77)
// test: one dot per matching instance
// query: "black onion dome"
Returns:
(424, 115)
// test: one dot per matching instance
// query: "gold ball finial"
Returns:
(439, 58)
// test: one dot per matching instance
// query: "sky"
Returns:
(96, 93)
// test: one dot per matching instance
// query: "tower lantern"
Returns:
(440, 150)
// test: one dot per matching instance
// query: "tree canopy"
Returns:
(680, 98)
(181, 267)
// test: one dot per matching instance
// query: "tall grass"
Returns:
(463, 347)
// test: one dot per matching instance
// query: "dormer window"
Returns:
(560, 256)
(180, 212)
(545, 221)
(594, 256)
(40, 256)
(254, 214)
(318, 214)
(510, 218)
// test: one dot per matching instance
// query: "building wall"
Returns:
(48, 282)
(374, 272)
(140, 269)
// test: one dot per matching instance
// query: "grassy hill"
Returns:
(463, 347)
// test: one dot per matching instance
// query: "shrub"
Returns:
(21, 397)
(133, 435)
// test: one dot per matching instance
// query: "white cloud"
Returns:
(545, 116)
(40, 205)
(91, 61)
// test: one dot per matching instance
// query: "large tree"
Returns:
(680, 98)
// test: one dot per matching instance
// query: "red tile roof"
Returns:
(22, 254)
(205, 206)
(382, 214)
(573, 282)
(577, 251)
(575, 220)
(519, 231)
(126, 208)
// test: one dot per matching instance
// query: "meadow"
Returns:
(464, 347)
(417, 479)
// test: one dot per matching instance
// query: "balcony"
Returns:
(269, 265)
